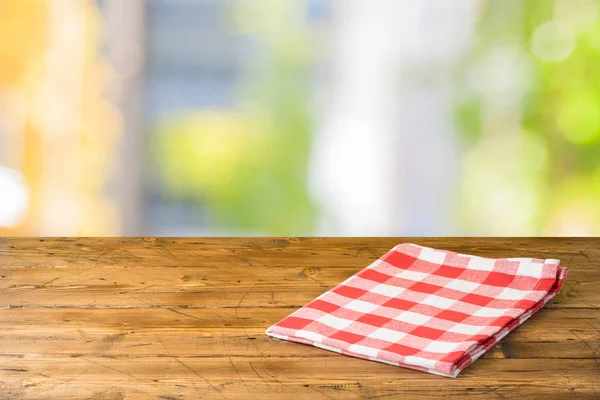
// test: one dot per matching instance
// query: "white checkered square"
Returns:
(388, 335)
(387, 290)
(361, 306)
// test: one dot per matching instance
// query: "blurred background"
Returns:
(305, 117)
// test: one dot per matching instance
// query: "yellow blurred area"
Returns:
(53, 87)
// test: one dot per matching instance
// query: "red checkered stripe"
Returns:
(426, 309)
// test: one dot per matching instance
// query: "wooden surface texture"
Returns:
(184, 318)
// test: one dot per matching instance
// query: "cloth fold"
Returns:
(431, 310)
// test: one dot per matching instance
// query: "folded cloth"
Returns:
(430, 310)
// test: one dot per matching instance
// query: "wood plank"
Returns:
(300, 377)
(220, 332)
(271, 252)
(170, 279)
(573, 296)
(209, 287)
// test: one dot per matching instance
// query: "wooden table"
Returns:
(185, 318)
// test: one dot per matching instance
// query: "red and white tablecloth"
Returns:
(432, 310)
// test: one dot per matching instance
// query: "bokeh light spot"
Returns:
(552, 41)
(579, 120)
(14, 197)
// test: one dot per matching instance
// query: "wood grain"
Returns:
(175, 318)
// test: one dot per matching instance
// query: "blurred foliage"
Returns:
(530, 119)
(248, 167)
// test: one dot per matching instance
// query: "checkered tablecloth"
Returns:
(431, 310)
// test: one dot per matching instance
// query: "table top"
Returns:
(179, 318)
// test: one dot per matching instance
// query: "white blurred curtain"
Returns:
(385, 157)
(126, 32)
